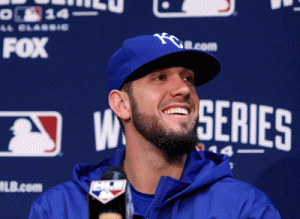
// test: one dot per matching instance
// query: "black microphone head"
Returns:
(114, 173)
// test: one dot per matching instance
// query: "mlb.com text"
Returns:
(14, 186)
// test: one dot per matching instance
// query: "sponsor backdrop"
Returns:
(54, 111)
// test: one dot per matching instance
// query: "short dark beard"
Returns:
(172, 145)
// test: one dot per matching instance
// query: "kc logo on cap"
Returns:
(140, 55)
(171, 38)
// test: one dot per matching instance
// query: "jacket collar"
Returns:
(202, 168)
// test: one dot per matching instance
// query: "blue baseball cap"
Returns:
(144, 54)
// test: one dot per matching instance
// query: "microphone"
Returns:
(110, 197)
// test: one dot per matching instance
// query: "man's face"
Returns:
(165, 109)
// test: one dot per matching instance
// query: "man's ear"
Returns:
(120, 104)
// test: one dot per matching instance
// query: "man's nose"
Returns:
(179, 87)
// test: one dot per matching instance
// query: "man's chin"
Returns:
(181, 132)
(175, 145)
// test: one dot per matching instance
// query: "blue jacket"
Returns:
(206, 190)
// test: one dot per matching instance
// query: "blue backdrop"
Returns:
(53, 92)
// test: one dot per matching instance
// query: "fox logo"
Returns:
(25, 47)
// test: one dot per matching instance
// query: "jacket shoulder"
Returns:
(239, 190)
(246, 200)
(62, 201)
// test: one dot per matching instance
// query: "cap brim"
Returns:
(204, 65)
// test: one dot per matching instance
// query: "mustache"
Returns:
(175, 101)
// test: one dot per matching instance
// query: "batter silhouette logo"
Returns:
(193, 8)
(30, 134)
(200, 147)
(28, 14)
(107, 190)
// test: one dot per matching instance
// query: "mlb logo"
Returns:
(200, 147)
(28, 14)
(193, 8)
(107, 190)
(30, 134)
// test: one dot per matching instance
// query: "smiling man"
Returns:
(160, 117)
(152, 83)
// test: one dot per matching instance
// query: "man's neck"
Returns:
(144, 164)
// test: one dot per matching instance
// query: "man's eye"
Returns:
(189, 79)
(160, 77)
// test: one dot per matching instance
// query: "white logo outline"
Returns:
(159, 14)
(102, 186)
(33, 116)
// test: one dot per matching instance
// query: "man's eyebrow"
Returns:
(157, 71)
(187, 71)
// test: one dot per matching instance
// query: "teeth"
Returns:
(176, 111)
